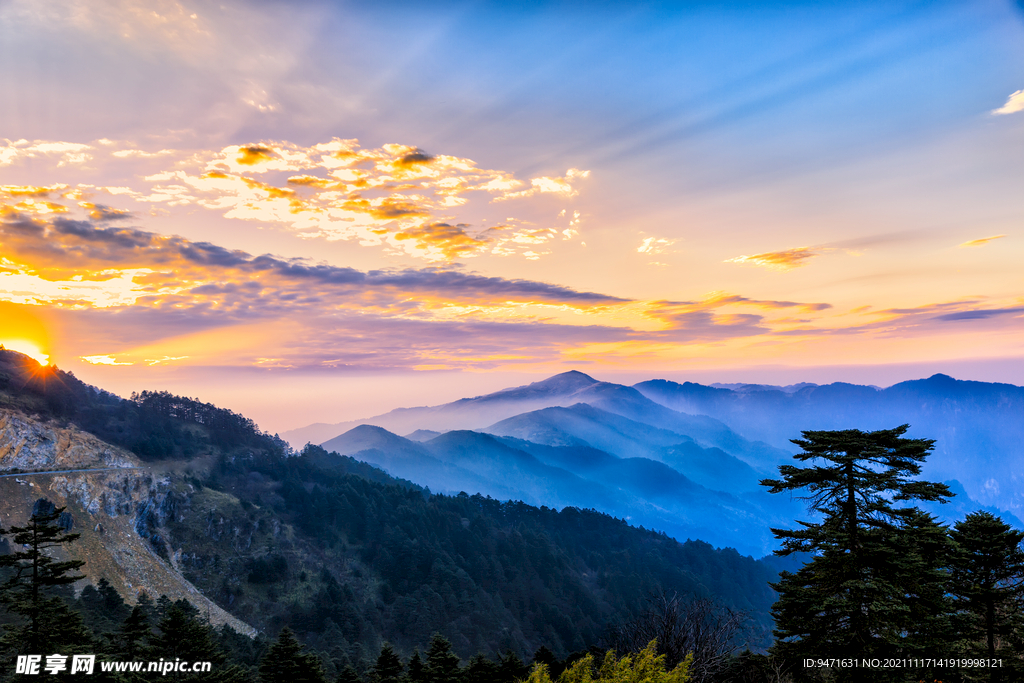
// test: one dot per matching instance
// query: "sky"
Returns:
(318, 211)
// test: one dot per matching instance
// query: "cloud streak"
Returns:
(1014, 104)
(980, 242)
(164, 269)
(780, 260)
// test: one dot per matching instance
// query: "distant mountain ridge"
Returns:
(567, 471)
(713, 444)
(563, 390)
(978, 427)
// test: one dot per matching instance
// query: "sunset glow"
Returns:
(26, 347)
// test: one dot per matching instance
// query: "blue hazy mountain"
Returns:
(644, 491)
(586, 425)
(686, 458)
(978, 427)
(583, 424)
(565, 389)
(466, 413)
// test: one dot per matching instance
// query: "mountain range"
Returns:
(685, 458)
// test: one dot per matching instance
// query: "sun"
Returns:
(30, 349)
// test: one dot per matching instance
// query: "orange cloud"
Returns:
(385, 208)
(37, 191)
(343, 191)
(721, 315)
(780, 260)
(335, 190)
(38, 207)
(981, 241)
(254, 154)
(451, 240)
(414, 158)
(312, 181)
(99, 212)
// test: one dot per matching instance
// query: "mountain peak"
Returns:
(562, 384)
(571, 380)
(365, 436)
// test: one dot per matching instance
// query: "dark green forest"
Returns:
(489, 575)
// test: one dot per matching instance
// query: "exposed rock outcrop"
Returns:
(117, 504)
(28, 445)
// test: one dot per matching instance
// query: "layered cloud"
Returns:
(142, 297)
(724, 316)
(130, 296)
(153, 298)
(168, 271)
(133, 296)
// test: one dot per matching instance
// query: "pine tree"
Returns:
(184, 636)
(148, 607)
(348, 675)
(988, 587)
(924, 548)
(511, 668)
(32, 576)
(388, 667)
(286, 662)
(850, 599)
(442, 662)
(134, 634)
(480, 670)
(416, 672)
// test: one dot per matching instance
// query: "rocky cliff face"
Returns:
(119, 505)
(26, 444)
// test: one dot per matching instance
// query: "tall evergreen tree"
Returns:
(480, 670)
(134, 634)
(388, 667)
(988, 586)
(924, 548)
(184, 636)
(416, 672)
(442, 662)
(511, 668)
(286, 662)
(850, 599)
(348, 675)
(32, 575)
